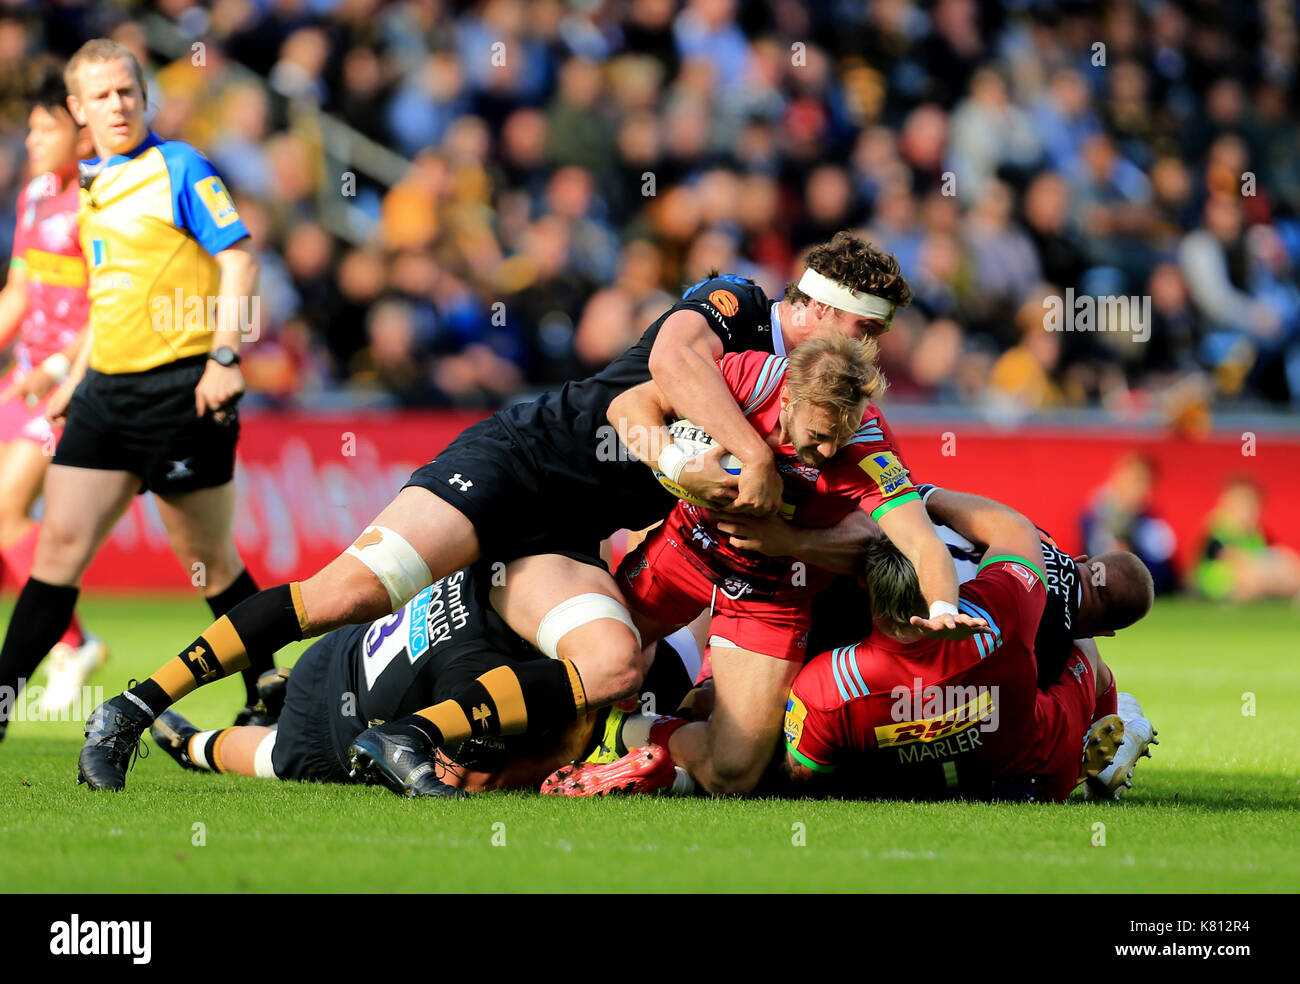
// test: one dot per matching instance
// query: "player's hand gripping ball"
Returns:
(689, 441)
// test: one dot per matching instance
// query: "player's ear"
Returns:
(74, 107)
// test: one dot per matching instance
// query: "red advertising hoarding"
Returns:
(309, 483)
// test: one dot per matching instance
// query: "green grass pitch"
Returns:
(1213, 811)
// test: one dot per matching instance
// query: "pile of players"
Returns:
(476, 640)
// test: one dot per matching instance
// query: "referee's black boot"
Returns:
(399, 758)
(113, 737)
(272, 686)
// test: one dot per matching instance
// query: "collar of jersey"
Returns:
(916, 649)
(150, 140)
(778, 339)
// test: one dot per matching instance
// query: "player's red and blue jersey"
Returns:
(47, 251)
(934, 717)
(867, 473)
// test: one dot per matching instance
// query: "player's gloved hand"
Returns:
(768, 535)
(953, 628)
(761, 488)
(704, 477)
(218, 391)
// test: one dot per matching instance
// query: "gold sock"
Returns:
(216, 653)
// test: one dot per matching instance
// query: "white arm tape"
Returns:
(397, 564)
(576, 611)
(943, 608)
(672, 460)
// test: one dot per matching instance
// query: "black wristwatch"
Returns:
(224, 356)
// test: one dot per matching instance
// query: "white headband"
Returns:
(828, 291)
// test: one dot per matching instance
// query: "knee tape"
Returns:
(397, 564)
(576, 611)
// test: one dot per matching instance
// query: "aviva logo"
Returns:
(98, 252)
(212, 192)
(887, 472)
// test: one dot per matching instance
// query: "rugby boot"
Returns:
(400, 759)
(1139, 735)
(647, 769)
(1099, 747)
(172, 733)
(113, 738)
(69, 668)
(610, 748)
(271, 689)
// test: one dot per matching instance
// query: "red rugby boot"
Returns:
(647, 769)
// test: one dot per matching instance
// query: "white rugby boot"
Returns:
(1101, 745)
(68, 670)
(1139, 735)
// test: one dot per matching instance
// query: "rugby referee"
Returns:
(151, 401)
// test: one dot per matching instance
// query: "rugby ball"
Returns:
(692, 440)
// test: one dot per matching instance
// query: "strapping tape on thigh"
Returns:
(397, 564)
(576, 611)
(262, 767)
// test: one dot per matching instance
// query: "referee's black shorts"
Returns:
(145, 423)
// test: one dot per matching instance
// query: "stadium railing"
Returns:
(345, 149)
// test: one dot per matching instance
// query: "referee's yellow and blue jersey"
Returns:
(151, 222)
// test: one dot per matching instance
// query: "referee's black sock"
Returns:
(258, 662)
(266, 622)
(41, 615)
(532, 696)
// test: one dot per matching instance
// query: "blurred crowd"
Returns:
(1236, 559)
(574, 165)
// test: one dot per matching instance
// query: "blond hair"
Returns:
(101, 50)
(892, 584)
(838, 373)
